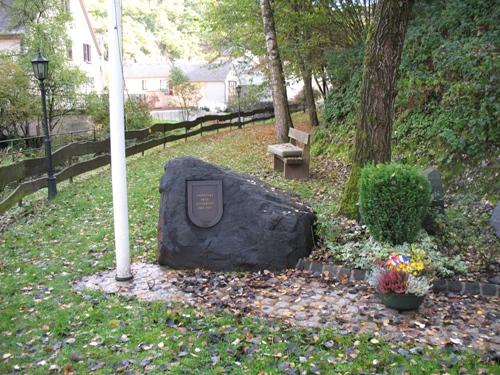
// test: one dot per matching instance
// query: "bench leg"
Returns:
(279, 166)
(298, 172)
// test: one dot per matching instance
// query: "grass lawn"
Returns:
(46, 326)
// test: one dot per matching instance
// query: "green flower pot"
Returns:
(401, 301)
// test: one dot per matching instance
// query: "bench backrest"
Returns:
(300, 136)
(303, 138)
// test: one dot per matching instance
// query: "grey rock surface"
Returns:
(434, 178)
(261, 228)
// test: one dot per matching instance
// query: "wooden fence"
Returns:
(29, 173)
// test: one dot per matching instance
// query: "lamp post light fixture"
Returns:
(238, 92)
(41, 70)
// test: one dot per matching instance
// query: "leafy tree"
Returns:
(305, 30)
(378, 90)
(45, 23)
(186, 92)
(154, 29)
(251, 97)
(137, 115)
(18, 105)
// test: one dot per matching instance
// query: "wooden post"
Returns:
(70, 163)
(164, 131)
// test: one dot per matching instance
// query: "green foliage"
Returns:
(465, 229)
(393, 200)
(448, 90)
(226, 25)
(251, 96)
(45, 25)
(97, 108)
(186, 92)
(341, 103)
(300, 97)
(154, 29)
(18, 105)
(447, 107)
(343, 64)
(177, 77)
(137, 114)
(363, 253)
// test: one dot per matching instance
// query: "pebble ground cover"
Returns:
(46, 326)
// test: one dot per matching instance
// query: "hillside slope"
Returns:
(447, 108)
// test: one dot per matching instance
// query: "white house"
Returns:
(216, 82)
(10, 36)
(150, 83)
(84, 50)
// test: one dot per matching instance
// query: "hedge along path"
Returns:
(32, 168)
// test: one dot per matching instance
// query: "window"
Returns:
(232, 89)
(164, 85)
(86, 53)
(144, 84)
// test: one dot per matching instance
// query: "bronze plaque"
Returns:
(204, 202)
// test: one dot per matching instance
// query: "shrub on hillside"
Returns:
(136, 112)
(394, 199)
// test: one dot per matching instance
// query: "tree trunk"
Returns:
(309, 96)
(280, 100)
(378, 90)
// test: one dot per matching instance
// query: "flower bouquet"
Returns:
(402, 281)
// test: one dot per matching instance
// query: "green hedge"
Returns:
(394, 199)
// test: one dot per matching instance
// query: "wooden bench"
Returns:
(292, 158)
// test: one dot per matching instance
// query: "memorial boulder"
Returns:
(216, 219)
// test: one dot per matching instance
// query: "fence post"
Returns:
(70, 164)
(217, 122)
(185, 134)
(201, 127)
(164, 130)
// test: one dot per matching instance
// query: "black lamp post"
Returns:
(41, 70)
(238, 92)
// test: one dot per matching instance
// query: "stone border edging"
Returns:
(441, 285)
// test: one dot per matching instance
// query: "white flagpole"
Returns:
(117, 139)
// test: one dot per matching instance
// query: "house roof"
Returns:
(146, 70)
(195, 73)
(5, 27)
(208, 73)
(89, 23)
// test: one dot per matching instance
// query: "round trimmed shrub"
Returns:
(393, 199)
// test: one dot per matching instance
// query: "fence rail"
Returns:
(32, 170)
